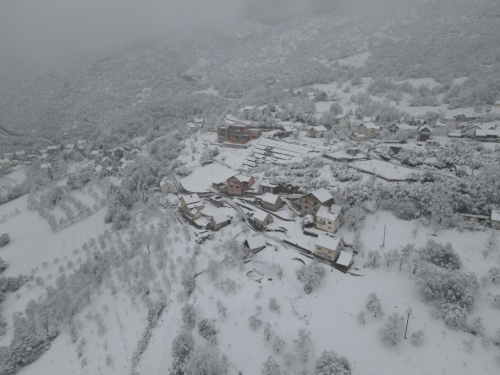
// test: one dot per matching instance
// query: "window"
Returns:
(329, 222)
(315, 203)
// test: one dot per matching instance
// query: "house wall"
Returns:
(273, 207)
(218, 227)
(261, 225)
(234, 187)
(165, 189)
(309, 205)
(495, 224)
(327, 253)
(328, 225)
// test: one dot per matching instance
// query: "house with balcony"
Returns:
(329, 219)
(311, 203)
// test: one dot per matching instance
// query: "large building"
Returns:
(311, 203)
(329, 219)
(236, 185)
(237, 133)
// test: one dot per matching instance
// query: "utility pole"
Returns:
(407, 320)
(383, 244)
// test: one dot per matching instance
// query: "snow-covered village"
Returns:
(311, 192)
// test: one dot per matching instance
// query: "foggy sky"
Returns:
(45, 31)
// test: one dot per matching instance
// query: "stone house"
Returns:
(367, 130)
(311, 203)
(255, 243)
(220, 221)
(271, 202)
(261, 219)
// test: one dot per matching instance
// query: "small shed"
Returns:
(255, 243)
(432, 143)
(345, 260)
(271, 202)
(217, 200)
(495, 219)
(261, 219)
(220, 221)
(396, 149)
(165, 186)
(354, 151)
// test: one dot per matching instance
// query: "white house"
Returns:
(316, 131)
(328, 246)
(329, 219)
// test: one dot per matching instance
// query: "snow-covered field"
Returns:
(388, 171)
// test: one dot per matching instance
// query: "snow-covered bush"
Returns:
(205, 361)
(441, 255)
(207, 329)
(448, 287)
(274, 305)
(254, 321)
(4, 239)
(373, 304)
(182, 349)
(373, 259)
(476, 326)
(330, 363)
(310, 275)
(302, 342)
(494, 273)
(393, 330)
(417, 337)
(343, 172)
(189, 316)
(271, 367)
(354, 218)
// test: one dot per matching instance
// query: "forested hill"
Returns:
(138, 83)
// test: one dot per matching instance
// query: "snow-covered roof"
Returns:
(322, 195)
(3, 161)
(331, 213)
(423, 128)
(260, 215)
(441, 123)
(367, 119)
(51, 147)
(495, 215)
(95, 152)
(270, 198)
(45, 156)
(190, 199)
(106, 158)
(370, 125)
(98, 168)
(344, 258)
(70, 146)
(124, 166)
(202, 221)
(136, 150)
(256, 242)
(497, 102)
(328, 242)
(221, 218)
(405, 127)
(320, 128)
(164, 181)
(198, 120)
(494, 133)
(242, 178)
(45, 166)
(21, 152)
(480, 133)
(287, 128)
(267, 184)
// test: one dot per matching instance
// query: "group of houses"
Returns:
(109, 160)
(191, 207)
(237, 134)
